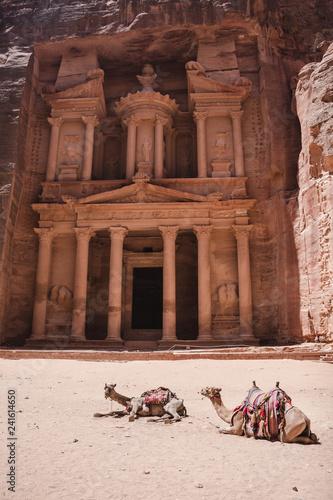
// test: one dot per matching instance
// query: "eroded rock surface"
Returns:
(314, 225)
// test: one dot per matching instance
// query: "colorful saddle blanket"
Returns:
(162, 395)
(263, 413)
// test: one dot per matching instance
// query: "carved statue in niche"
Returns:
(60, 304)
(147, 79)
(221, 144)
(112, 163)
(145, 150)
(71, 154)
(228, 299)
(184, 155)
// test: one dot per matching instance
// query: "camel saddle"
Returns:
(263, 413)
(162, 395)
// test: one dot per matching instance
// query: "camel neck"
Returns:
(119, 398)
(221, 410)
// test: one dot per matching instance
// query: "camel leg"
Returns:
(172, 409)
(234, 430)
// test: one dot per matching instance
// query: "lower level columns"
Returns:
(83, 235)
(244, 282)
(45, 236)
(117, 235)
(169, 234)
(203, 234)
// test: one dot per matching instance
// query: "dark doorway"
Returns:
(147, 302)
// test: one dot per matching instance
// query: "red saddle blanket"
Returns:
(162, 395)
(263, 413)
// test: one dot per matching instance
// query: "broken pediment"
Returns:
(140, 192)
(198, 82)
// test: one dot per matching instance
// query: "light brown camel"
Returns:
(136, 406)
(294, 429)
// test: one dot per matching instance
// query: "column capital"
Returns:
(241, 231)
(169, 132)
(200, 115)
(84, 233)
(44, 233)
(236, 115)
(203, 232)
(56, 122)
(160, 120)
(131, 120)
(169, 231)
(90, 119)
(118, 233)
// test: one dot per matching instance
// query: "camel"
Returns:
(294, 426)
(137, 407)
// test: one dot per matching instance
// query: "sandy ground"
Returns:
(63, 452)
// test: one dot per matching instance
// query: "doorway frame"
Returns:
(141, 260)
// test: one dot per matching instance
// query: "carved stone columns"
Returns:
(168, 151)
(131, 124)
(45, 236)
(53, 148)
(244, 282)
(169, 234)
(200, 120)
(117, 235)
(91, 122)
(83, 235)
(236, 117)
(159, 147)
(203, 234)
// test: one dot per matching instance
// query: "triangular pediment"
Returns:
(142, 192)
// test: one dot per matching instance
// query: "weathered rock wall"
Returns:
(314, 223)
(273, 41)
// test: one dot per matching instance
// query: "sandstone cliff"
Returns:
(273, 41)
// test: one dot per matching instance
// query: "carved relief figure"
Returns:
(221, 144)
(228, 299)
(145, 150)
(71, 154)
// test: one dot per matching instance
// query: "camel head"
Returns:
(211, 393)
(109, 390)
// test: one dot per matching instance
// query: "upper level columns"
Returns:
(236, 117)
(244, 282)
(169, 234)
(83, 235)
(159, 146)
(203, 234)
(45, 236)
(200, 120)
(91, 122)
(117, 235)
(168, 151)
(53, 148)
(131, 124)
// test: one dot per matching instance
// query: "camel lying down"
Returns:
(146, 405)
(270, 416)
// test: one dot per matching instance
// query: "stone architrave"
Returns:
(200, 120)
(91, 122)
(236, 117)
(45, 236)
(159, 153)
(131, 124)
(203, 234)
(117, 235)
(169, 234)
(241, 233)
(83, 235)
(53, 148)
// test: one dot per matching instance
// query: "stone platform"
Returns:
(310, 352)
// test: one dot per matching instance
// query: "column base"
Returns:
(167, 342)
(248, 339)
(114, 341)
